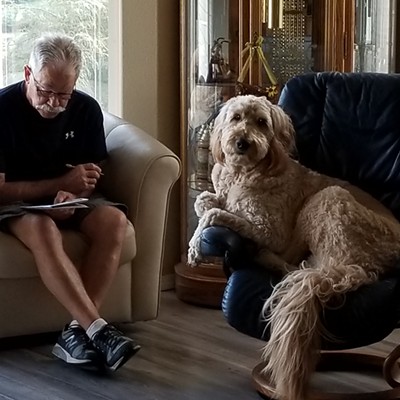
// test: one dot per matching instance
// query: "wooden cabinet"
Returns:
(333, 35)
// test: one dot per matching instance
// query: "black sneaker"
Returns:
(115, 348)
(74, 346)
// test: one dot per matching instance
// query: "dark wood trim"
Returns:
(244, 29)
(349, 38)
(234, 35)
(183, 124)
(333, 34)
(255, 29)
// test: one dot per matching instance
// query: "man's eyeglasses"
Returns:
(47, 94)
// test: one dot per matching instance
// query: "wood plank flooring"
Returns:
(188, 353)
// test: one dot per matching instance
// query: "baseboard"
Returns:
(168, 282)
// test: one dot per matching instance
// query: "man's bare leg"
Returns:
(105, 228)
(105, 345)
(42, 237)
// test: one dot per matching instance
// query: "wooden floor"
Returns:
(188, 353)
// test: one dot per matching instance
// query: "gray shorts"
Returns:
(16, 210)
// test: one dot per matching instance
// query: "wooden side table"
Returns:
(202, 285)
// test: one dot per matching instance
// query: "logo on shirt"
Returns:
(69, 135)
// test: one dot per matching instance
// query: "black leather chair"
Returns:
(347, 126)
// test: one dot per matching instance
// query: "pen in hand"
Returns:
(73, 166)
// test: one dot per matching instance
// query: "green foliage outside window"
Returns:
(84, 20)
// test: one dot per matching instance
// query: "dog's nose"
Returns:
(242, 145)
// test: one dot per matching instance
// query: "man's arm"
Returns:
(28, 190)
(80, 181)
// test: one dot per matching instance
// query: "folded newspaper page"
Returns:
(75, 203)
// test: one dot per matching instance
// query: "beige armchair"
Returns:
(140, 172)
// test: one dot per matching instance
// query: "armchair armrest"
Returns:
(237, 252)
(140, 172)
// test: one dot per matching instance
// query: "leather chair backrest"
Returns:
(348, 126)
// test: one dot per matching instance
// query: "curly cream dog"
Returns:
(326, 236)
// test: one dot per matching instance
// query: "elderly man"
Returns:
(51, 147)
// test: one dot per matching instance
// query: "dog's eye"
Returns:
(261, 121)
(236, 117)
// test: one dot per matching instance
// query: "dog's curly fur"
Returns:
(325, 235)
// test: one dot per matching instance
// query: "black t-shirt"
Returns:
(33, 147)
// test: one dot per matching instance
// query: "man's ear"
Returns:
(27, 73)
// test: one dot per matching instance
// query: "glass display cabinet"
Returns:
(297, 36)
(208, 72)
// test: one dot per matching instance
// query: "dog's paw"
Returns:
(204, 202)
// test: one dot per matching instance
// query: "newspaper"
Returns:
(75, 203)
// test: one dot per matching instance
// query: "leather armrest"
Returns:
(220, 241)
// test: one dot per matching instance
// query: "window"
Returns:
(22, 21)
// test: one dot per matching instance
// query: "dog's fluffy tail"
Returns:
(291, 354)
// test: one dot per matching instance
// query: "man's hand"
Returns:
(61, 213)
(81, 179)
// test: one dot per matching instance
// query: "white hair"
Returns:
(53, 48)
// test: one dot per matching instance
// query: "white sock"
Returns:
(95, 326)
(74, 323)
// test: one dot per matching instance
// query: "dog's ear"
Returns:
(283, 128)
(215, 138)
